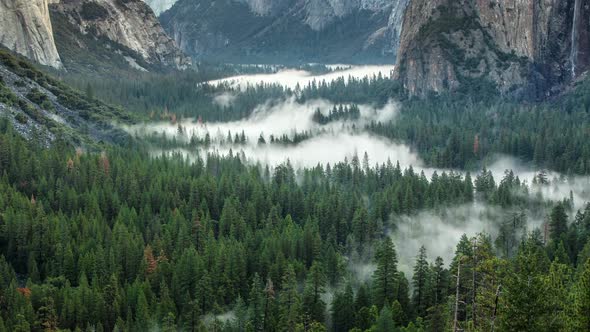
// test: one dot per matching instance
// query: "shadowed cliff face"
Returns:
(25, 27)
(523, 47)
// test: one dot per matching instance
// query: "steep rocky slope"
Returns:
(527, 47)
(286, 30)
(25, 27)
(44, 108)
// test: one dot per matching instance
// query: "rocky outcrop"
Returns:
(286, 30)
(130, 23)
(519, 46)
(25, 28)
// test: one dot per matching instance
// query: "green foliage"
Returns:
(93, 11)
(580, 316)
(40, 99)
(385, 278)
(385, 321)
(314, 290)
(6, 95)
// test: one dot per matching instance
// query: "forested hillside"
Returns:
(122, 241)
(119, 238)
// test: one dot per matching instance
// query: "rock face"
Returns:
(528, 46)
(286, 30)
(580, 49)
(25, 27)
(130, 23)
(128, 27)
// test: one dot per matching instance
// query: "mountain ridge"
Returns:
(286, 31)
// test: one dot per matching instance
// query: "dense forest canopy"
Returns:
(126, 239)
(442, 129)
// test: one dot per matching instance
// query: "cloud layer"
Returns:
(291, 78)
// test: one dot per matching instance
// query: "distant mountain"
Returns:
(287, 30)
(160, 6)
(88, 35)
(529, 47)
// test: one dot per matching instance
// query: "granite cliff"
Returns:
(126, 31)
(130, 23)
(25, 27)
(519, 46)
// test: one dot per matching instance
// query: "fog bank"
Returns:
(290, 78)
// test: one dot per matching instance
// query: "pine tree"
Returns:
(580, 310)
(33, 269)
(256, 304)
(556, 285)
(241, 319)
(403, 297)
(463, 284)
(558, 222)
(289, 301)
(2, 325)
(21, 324)
(524, 299)
(269, 306)
(385, 321)
(343, 310)
(169, 323)
(46, 315)
(420, 299)
(440, 281)
(385, 283)
(166, 305)
(142, 313)
(314, 289)
(362, 307)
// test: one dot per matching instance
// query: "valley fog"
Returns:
(347, 139)
(291, 78)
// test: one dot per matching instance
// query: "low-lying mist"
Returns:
(290, 78)
(328, 143)
(439, 231)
